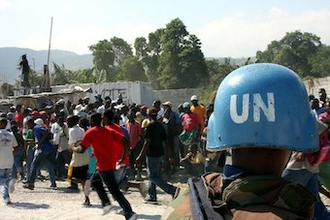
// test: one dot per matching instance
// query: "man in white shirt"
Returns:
(79, 161)
(8, 145)
(60, 141)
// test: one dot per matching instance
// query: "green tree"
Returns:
(295, 50)
(121, 50)
(82, 76)
(172, 41)
(321, 62)
(131, 69)
(192, 62)
(108, 55)
(103, 56)
(148, 53)
(60, 75)
(217, 72)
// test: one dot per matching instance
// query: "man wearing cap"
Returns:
(199, 110)
(253, 117)
(191, 127)
(172, 120)
(45, 151)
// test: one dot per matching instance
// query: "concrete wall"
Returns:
(313, 86)
(176, 96)
(137, 92)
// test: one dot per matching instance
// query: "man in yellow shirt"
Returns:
(199, 110)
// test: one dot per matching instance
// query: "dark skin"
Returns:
(3, 125)
(301, 156)
(266, 161)
(195, 103)
(30, 125)
(146, 145)
(43, 139)
(188, 111)
(125, 141)
(82, 149)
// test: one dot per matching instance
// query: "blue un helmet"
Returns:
(262, 105)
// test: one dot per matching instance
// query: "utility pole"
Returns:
(46, 86)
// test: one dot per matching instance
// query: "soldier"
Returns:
(255, 115)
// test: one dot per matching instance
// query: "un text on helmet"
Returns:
(258, 105)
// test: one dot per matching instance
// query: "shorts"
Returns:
(79, 173)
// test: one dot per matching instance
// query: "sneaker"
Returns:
(133, 216)
(53, 186)
(176, 193)
(28, 186)
(151, 200)
(120, 212)
(107, 209)
(12, 186)
(7, 200)
(73, 187)
(143, 189)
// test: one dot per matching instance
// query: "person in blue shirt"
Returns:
(45, 151)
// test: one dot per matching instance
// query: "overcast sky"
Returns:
(236, 28)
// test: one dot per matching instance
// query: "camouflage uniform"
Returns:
(246, 197)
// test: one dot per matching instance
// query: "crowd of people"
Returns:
(102, 144)
(108, 143)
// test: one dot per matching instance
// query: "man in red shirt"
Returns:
(121, 171)
(134, 131)
(199, 110)
(19, 116)
(101, 140)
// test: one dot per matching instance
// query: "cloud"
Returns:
(78, 38)
(129, 32)
(235, 36)
(238, 36)
(4, 3)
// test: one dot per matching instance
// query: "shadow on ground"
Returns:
(28, 205)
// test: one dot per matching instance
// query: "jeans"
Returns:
(29, 159)
(167, 165)
(121, 177)
(309, 181)
(39, 158)
(155, 178)
(108, 178)
(132, 157)
(4, 182)
(18, 163)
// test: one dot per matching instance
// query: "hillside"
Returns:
(10, 57)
